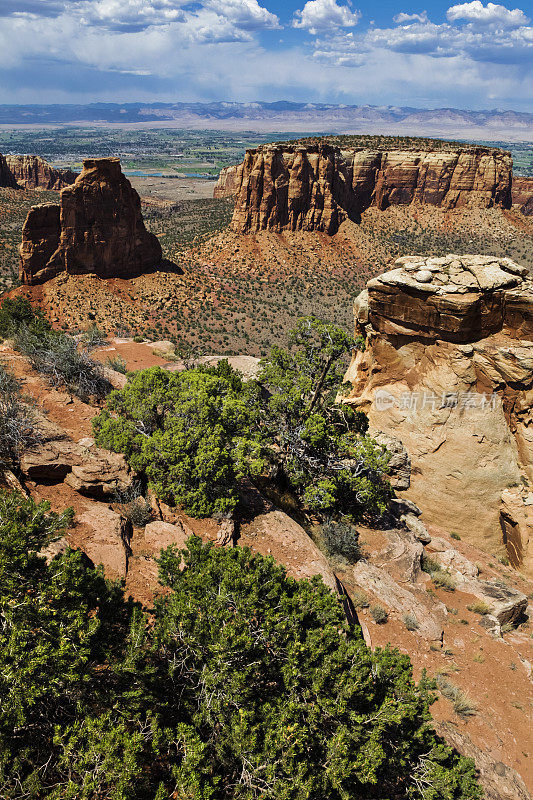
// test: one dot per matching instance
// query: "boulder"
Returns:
(159, 535)
(86, 468)
(499, 781)
(507, 605)
(106, 538)
(396, 598)
(275, 533)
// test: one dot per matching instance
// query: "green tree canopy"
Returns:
(242, 683)
(195, 434)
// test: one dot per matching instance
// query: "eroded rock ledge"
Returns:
(448, 370)
(316, 187)
(96, 228)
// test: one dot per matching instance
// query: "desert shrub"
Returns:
(440, 577)
(220, 693)
(16, 313)
(462, 705)
(429, 564)
(322, 446)
(359, 599)
(444, 580)
(134, 505)
(342, 539)
(117, 363)
(17, 423)
(410, 622)
(379, 614)
(194, 434)
(480, 607)
(93, 337)
(56, 355)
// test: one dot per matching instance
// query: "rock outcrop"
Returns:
(33, 172)
(97, 228)
(316, 187)
(448, 370)
(522, 195)
(228, 181)
(88, 469)
(7, 179)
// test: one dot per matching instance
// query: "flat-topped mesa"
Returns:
(316, 187)
(448, 370)
(294, 188)
(33, 172)
(97, 228)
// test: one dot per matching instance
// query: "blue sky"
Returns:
(467, 55)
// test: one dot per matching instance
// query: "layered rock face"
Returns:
(97, 228)
(448, 370)
(7, 179)
(228, 181)
(281, 187)
(32, 172)
(522, 195)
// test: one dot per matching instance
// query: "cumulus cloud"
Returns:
(247, 14)
(403, 17)
(200, 21)
(416, 35)
(323, 15)
(491, 14)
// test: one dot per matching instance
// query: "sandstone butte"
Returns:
(96, 228)
(316, 187)
(32, 172)
(448, 370)
(522, 195)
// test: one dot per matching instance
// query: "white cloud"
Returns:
(403, 17)
(322, 15)
(501, 45)
(247, 14)
(491, 14)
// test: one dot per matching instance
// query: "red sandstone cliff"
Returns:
(228, 181)
(294, 187)
(522, 195)
(97, 228)
(7, 179)
(33, 172)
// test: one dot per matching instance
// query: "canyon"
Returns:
(447, 368)
(96, 228)
(317, 186)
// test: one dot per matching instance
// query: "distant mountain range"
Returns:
(283, 116)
